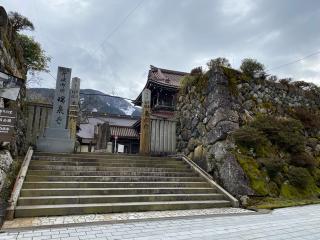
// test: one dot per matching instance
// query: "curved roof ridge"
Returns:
(152, 67)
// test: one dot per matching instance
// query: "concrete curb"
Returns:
(127, 221)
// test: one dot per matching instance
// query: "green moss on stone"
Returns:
(233, 77)
(292, 192)
(257, 177)
(273, 189)
(200, 81)
(6, 43)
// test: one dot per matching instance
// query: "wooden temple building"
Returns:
(164, 85)
(122, 131)
(157, 130)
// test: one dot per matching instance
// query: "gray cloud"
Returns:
(178, 34)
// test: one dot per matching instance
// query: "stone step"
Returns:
(96, 154)
(71, 209)
(110, 173)
(109, 169)
(39, 185)
(53, 200)
(103, 157)
(94, 160)
(35, 178)
(93, 183)
(108, 164)
(110, 191)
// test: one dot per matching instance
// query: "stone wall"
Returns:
(12, 63)
(11, 53)
(262, 95)
(5, 163)
(207, 116)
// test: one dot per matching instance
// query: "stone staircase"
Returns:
(68, 184)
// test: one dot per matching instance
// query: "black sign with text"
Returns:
(7, 120)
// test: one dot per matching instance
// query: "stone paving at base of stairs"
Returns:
(117, 217)
(288, 223)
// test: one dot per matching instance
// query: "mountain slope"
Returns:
(90, 100)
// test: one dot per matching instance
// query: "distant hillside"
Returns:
(89, 100)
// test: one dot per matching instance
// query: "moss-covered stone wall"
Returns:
(12, 63)
(254, 136)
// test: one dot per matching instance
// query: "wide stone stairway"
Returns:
(67, 184)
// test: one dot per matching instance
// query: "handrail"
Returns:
(208, 177)
(18, 185)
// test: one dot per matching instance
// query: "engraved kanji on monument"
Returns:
(75, 92)
(56, 138)
(74, 106)
(61, 99)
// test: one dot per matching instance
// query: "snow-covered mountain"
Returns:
(91, 100)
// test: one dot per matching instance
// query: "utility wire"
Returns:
(108, 36)
(295, 61)
(51, 76)
(114, 30)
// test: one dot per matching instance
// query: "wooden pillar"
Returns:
(42, 120)
(145, 122)
(30, 124)
(49, 117)
(36, 125)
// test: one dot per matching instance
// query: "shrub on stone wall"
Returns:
(274, 165)
(278, 146)
(299, 177)
(251, 67)
(196, 78)
(251, 138)
(218, 62)
(286, 133)
(309, 118)
(303, 159)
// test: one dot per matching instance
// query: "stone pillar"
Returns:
(1, 99)
(103, 136)
(145, 122)
(61, 99)
(56, 138)
(74, 106)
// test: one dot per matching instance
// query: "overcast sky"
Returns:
(173, 34)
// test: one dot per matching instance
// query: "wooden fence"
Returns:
(39, 116)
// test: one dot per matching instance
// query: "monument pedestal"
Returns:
(56, 140)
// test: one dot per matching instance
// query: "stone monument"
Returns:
(74, 106)
(57, 138)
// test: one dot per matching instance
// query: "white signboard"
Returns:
(146, 97)
(120, 148)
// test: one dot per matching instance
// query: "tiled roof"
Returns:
(87, 129)
(165, 76)
(118, 121)
(124, 132)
